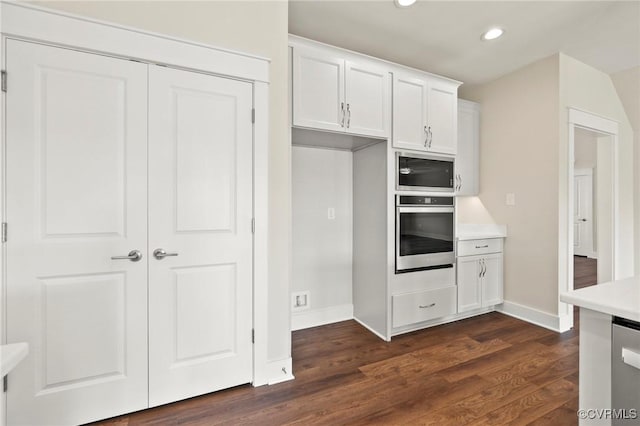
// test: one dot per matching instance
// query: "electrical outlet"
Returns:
(300, 300)
(331, 213)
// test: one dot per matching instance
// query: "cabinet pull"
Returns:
(431, 305)
(484, 268)
(484, 246)
(459, 183)
(430, 136)
(426, 137)
(348, 116)
(342, 111)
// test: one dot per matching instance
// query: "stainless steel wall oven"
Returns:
(424, 232)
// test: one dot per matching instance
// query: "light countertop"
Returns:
(11, 355)
(467, 231)
(620, 298)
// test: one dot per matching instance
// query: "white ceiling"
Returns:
(443, 37)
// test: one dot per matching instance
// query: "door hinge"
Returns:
(253, 336)
(253, 225)
(4, 232)
(3, 75)
(253, 114)
(5, 383)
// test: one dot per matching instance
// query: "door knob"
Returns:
(134, 256)
(161, 254)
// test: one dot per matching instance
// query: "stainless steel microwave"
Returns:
(426, 173)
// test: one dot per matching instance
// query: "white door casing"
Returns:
(200, 207)
(76, 183)
(583, 214)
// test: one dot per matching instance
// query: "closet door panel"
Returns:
(76, 197)
(200, 209)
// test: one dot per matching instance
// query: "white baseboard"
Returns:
(276, 372)
(534, 316)
(317, 317)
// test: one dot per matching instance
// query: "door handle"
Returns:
(134, 256)
(161, 254)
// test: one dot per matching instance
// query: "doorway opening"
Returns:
(592, 194)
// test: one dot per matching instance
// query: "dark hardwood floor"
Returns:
(487, 370)
(585, 272)
(491, 369)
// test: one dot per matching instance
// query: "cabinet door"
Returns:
(492, 293)
(367, 100)
(469, 292)
(442, 104)
(318, 90)
(467, 158)
(409, 112)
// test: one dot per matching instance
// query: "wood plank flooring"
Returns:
(487, 370)
(585, 272)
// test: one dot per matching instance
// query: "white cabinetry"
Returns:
(340, 95)
(424, 113)
(480, 283)
(467, 158)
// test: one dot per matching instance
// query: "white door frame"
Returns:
(32, 23)
(605, 127)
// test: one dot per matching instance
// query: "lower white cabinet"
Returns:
(480, 277)
(410, 308)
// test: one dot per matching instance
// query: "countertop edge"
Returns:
(11, 355)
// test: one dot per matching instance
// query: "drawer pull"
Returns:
(427, 306)
(484, 246)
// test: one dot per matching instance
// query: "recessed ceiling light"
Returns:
(404, 3)
(492, 34)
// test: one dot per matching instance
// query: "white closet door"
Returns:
(76, 188)
(200, 208)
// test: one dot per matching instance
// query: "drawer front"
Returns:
(474, 247)
(411, 308)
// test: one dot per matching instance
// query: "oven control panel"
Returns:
(418, 200)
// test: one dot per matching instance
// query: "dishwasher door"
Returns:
(625, 372)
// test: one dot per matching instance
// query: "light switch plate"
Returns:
(510, 199)
(331, 213)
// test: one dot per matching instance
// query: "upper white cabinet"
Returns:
(340, 95)
(424, 113)
(467, 159)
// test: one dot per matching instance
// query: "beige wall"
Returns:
(627, 84)
(585, 88)
(519, 154)
(257, 27)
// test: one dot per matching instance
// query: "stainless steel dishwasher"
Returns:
(625, 372)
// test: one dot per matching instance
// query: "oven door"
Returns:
(424, 173)
(424, 238)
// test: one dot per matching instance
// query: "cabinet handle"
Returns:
(484, 268)
(427, 306)
(426, 137)
(348, 116)
(484, 246)
(460, 183)
(342, 111)
(430, 136)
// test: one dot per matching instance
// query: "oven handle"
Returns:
(425, 209)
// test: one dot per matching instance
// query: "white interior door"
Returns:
(583, 214)
(200, 208)
(76, 184)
